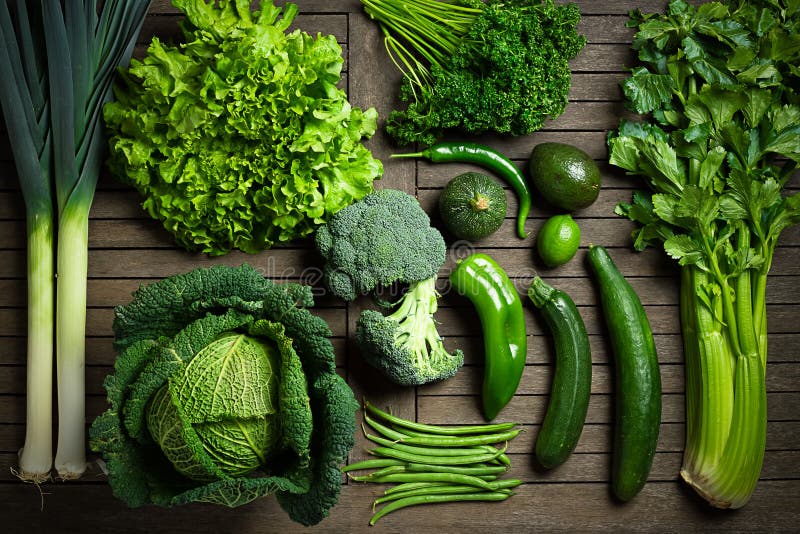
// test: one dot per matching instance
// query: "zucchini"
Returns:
(472, 206)
(572, 383)
(638, 379)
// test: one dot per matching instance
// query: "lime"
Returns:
(558, 240)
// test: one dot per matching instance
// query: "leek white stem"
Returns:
(73, 235)
(36, 456)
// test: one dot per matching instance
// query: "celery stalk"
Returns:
(708, 392)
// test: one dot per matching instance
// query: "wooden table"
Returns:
(127, 249)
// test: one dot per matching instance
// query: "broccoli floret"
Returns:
(406, 346)
(384, 238)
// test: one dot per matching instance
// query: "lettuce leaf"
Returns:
(240, 137)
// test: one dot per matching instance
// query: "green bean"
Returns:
(415, 434)
(372, 464)
(408, 486)
(442, 430)
(429, 451)
(424, 438)
(504, 459)
(391, 433)
(397, 438)
(430, 499)
(409, 489)
(377, 477)
(507, 483)
(437, 490)
(379, 473)
(461, 441)
(388, 452)
(400, 434)
(450, 478)
(475, 471)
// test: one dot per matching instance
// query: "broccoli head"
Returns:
(384, 238)
(406, 346)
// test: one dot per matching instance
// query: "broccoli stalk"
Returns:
(406, 345)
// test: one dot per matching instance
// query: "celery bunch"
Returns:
(723, 138)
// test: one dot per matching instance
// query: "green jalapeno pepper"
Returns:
(486, 285)
(488, 158)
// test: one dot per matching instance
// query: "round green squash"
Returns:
(472, 206)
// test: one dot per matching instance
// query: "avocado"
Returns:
(564, 175)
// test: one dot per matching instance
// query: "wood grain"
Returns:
(128, 249)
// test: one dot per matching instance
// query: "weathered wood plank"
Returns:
(100, 350)
(530, 409)
(782, 348)
(125, 204)
(149, 234)
(302, 263)
(606, 29)
(462, 320)
(585, 467)
(277, 264)
(373, 82)
(99, 320)
(603, 57)
(595, 438)
(466, 409)
(573, 498)
(434, 176)
(610, 231)
(587, 7)
(662, 506)
(104, 292)
(12, 380)
(537, 379)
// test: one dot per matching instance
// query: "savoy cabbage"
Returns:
(225, 390)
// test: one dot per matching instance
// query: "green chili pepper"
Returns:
(499, 307)
(488, 158)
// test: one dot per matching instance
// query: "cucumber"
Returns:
(637, 376)
(572, 383)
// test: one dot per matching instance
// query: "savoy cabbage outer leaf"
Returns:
(240, 137)
(162, 333)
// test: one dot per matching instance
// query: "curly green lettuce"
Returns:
(225, 390)
(240, 137)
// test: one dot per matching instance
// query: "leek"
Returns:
(72, 53)
(23, 96)
(717, 82)
(84, 51)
